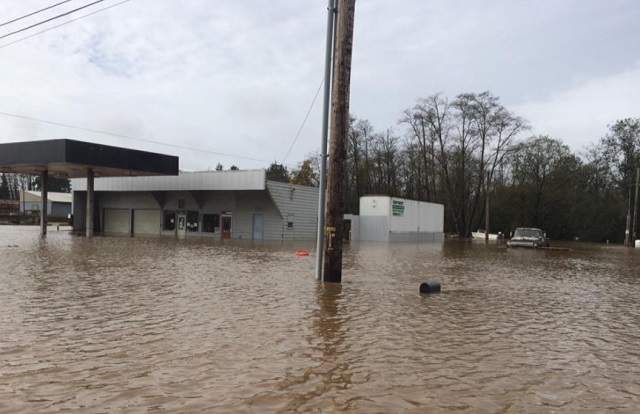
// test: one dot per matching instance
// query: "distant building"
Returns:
(239, 204)
(58, 204)
(392, 219)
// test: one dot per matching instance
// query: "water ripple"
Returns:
(137, 325)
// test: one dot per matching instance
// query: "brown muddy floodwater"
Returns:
(137, 325)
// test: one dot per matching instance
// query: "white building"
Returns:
(58, 204)
(392, 219)
(239, 204)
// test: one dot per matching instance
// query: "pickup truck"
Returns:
(528, 237)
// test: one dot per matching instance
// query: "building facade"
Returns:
(392, 219)
(58, 204)
(239, 204)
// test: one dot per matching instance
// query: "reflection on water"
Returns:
(137, 325)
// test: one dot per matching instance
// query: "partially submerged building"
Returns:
(238, 204)
(137, 193)
(241, 204)
(66, 158)
(392, 219)
(58, 204)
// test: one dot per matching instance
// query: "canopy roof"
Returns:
(72, 159)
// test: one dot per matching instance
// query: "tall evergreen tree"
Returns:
(277, 172)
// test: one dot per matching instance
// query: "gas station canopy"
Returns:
(66, 158)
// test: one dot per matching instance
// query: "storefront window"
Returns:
(210, 223)
(169, 220)
(192, 221)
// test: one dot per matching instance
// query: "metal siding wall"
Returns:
(172, 198)
(428, 237)
(433, 217)
(116, 222)
(375, 206)
(302, 202)
(420, 217)
(60, 209)
(214, 202)
(146, 223)
(204, 180)
(142, 200)
(438, 218)
(240, 226)
(374, 228)
(355, 225)
(253, 202)
(79, 209)
(409, 221)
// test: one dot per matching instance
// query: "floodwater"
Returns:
(140, 325)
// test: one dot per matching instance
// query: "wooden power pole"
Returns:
(635, 210)
(336, 187)
(486, 210)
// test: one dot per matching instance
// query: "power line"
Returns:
(133, 138)
(52, 18)
(62, 24)
(303, 122)
(31, 14)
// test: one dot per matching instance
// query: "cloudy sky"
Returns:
(231, 82)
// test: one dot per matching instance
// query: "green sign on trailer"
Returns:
(397, 208)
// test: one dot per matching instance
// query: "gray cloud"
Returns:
(238, 77)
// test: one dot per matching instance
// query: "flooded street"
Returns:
(137, 325)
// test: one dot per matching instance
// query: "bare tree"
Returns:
(537, 158)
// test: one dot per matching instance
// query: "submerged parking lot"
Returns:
(130, 324)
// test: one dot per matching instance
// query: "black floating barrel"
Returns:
(430, 287)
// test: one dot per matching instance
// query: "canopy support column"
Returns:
(44, 181)
(90, 198)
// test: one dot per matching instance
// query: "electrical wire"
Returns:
(62, 24)
(125, 136)
(52, 18)
(133, 138)
(35, 12)
(303, 122)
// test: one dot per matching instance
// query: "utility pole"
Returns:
(486, 210)
(627, 232)
(635, 209)
(338, 145)
(328, 59)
